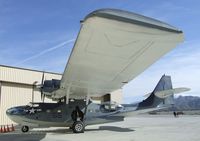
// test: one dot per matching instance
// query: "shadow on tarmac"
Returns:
(22, 137)
(37, 135)
(56, 131)
(111, 128)
(68, 131)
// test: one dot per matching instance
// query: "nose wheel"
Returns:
(25, 129)
(78, 127)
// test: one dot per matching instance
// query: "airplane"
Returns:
(59, 114)
(112, 48)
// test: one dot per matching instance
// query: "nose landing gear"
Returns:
(25, 129)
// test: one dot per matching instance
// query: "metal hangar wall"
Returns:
(16, 88)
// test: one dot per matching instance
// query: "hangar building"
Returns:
(17, 88)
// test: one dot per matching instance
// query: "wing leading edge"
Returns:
(112, 48)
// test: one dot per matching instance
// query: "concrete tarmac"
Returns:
(138, 128)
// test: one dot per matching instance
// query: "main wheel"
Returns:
(25, 129)
(78, 127)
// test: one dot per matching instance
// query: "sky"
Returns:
(40, 34)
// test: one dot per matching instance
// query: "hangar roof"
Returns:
(23, 75)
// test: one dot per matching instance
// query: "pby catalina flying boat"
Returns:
(112, 48)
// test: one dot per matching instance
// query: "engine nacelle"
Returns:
(50, 85)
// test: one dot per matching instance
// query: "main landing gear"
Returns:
(25, 129)
(78, 127)
(78, 118)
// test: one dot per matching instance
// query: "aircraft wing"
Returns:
(112, 48)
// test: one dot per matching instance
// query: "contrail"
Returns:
(45, 51)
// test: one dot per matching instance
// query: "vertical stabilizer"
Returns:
(164, 83)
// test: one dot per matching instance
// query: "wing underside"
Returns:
(112, 48)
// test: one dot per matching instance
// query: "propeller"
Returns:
(41, 88)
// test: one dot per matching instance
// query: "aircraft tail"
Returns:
(158, 96)
(162, 97)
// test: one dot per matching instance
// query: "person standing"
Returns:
(77, 113)
(174, 114)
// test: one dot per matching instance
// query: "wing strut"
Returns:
(87, 102)
(67, 94)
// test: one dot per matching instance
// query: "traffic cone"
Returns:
(13, 128)
(1, 131)
(8, 130)
(4, 128)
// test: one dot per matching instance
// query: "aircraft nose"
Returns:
(10, 111)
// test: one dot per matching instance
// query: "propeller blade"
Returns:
(41, 95)
(43, 98)
(41, 88)
(42, 79)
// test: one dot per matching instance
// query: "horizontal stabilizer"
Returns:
(167, 93)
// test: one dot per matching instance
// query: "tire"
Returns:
(78, 127)
(25, 129)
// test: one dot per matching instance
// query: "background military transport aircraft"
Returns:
(112, 48)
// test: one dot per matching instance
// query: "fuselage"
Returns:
(59, 114)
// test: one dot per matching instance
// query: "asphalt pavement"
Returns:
(138, 128)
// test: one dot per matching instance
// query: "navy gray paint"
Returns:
(59, 114)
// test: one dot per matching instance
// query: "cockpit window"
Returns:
(35, 105)
(29, 105)
(32, 105)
